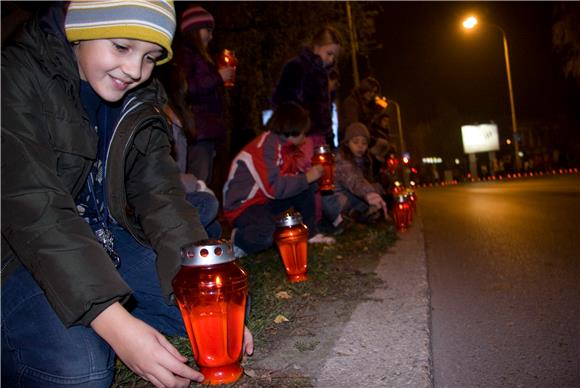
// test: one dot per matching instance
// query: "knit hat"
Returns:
(147, 20)
(197, 18)
(356, 129)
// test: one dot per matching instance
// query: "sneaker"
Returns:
(321, 239)
(238, 252)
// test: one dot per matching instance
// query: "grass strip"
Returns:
(342, 271)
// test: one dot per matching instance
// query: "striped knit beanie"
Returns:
(147, 20)
(197, 18)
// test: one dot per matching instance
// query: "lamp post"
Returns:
(469, 24)
(398, 109)
(353, 44)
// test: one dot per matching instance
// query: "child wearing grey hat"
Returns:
(356, 196)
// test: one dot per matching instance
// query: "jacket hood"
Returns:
(43, 42)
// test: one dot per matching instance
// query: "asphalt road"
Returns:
(504, 275)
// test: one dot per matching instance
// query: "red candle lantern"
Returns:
(211, 290)
(412, 198)
(401, 212)
(228, 59)
(411, 211)
(392, 163)
(323, 156)
(397, 188)
(291, 237)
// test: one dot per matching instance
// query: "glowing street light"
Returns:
(469, 24)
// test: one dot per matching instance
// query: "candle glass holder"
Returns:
(291, 237)
(401, 212)
(324, 157)
(228, 59)
(211, 290)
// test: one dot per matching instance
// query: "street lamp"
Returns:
(469, 24)
(398, 109)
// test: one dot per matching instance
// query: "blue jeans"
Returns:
(207, 206)
(341, 202)
(256, 225)
(39, 351)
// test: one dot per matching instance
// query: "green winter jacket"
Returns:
(48, 147)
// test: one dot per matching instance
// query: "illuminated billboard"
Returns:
(480, 138)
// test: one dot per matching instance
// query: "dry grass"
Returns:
(343, 271)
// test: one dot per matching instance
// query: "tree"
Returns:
(566, 38)
(264, 35)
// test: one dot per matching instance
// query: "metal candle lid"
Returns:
(322, 149)
(289, 219)
(207, 252)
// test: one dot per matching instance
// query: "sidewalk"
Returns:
(386, 341)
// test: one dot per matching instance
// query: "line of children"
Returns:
(94, 208)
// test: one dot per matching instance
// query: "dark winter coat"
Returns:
(304, 80)
(48, 148)
(354, 175)
(205, 94)
(265, 169)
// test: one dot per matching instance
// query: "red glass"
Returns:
(212, 300)
(228, 59)
(412, 199)
(392, 163)
(291, 237)
(401, 213)
(411, 212)
(324, 157)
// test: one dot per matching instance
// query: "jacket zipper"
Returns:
(126, 111)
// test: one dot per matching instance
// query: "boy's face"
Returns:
(114, 66)
(328, 53)
(358, 145)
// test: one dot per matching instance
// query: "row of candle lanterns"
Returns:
(211, 288)
(405, 197)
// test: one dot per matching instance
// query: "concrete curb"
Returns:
(386, 343)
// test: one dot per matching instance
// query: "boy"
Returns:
(88, 184)
(268, 177)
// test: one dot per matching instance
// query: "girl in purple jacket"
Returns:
(205, 90)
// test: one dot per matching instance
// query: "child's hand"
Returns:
(248, 347)
(314, 173)
(143, 349)
(374, 199)
(227, 73)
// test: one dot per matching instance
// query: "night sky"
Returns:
(428, 59)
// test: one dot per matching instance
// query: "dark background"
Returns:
(444, 76)
(441, 75)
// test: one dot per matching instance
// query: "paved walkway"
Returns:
(386, 342)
